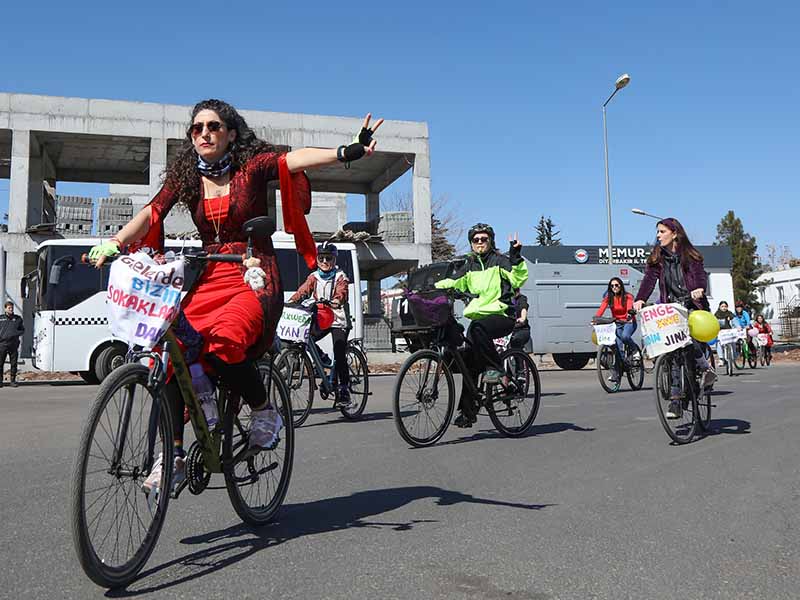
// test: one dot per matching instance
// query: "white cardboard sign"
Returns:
(606, 334)
(143, 298)
(727, 336)
(665, 327)
(294, 325)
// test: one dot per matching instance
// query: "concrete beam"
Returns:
(158, 162)
(95, 176)
(374, 305)
(392, 173)
(421, 190)
(339, 187)
(373, 211)
(20, 181)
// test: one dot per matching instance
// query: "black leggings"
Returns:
(483, 355)
(243, 379)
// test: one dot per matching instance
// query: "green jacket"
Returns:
(492, 278)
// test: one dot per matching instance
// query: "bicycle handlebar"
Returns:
(226, 258)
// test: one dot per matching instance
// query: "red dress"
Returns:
(235, 321)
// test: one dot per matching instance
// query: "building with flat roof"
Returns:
(45, 140)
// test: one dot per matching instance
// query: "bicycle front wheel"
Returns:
(606, 367)
(359, 384)
(424, 398)
(257, 485)
(115, 525)
(514, 410)
(752, 358)
(295, 368)
(741, 357)
(635, 368)
(672, 380)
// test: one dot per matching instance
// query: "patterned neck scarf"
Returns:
(216, 169)
(326, 276)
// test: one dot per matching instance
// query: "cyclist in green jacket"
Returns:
(492, 277)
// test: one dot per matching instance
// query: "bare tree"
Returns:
(446, 222)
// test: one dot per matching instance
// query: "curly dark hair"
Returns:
(181, 174)
(685, 248)
(610, 292)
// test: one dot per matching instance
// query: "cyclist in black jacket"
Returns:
(11, 329)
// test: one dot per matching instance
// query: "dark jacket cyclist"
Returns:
(492, 277)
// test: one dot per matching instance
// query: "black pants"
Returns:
(339, 337)
(482, 354)
(520, 337)
(10, 350)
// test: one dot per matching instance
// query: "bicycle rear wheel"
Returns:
(359, 384)
(635, 368)
(683, 429)
(257, 485)
(424, 398)
(295, 368)
(752, 359)
(513, 412)
(115, 526)
(606, 365)
(768, 356)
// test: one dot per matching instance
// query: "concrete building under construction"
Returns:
(46, 140)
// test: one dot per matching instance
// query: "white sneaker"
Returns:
(153, 481)
(265, 425)
(708, 379)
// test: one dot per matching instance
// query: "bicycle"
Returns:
(676, 362)
(301, 366)
(726, 342)
(763, 351)
(115, 526)
(424, 392)
(607, 357)
(745, 354)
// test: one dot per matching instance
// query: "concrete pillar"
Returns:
(421, 190)
(374, 306)
(373, 212)
(158, 162)
(25, 189)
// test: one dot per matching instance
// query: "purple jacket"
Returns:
(694, 275)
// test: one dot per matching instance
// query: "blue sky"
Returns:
(511, 93)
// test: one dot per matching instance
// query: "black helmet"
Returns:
(327, 249)
(481, 228)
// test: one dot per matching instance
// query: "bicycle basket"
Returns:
(430, 308)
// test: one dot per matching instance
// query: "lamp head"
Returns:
(622, 81)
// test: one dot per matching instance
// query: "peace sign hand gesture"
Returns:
(515, 246)
(363, 143)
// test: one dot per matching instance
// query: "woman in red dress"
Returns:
(221, 175)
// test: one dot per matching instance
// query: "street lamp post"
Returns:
(639, 211)
(621, 82)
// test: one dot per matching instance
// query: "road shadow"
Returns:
(551, 394)
(720, 392)
(228, 546)
(535, 430)
(365, 416)
(52, 383)
(728, 426)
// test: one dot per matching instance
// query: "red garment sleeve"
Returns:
(159, 209)
(296, 203)
(628, 302)
(603, 307)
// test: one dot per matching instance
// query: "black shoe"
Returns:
(464, 421)
(14, 383)
(342, 398)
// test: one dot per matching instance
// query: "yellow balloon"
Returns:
(703, 326)
(594, 337)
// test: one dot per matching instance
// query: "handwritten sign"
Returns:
(665, 327)
(294, 325)
(502, 343)
(143, 298)
(606, 334)
(762, 339)
(727, 336)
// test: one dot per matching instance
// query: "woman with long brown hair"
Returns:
(677, 266)
(221, 175)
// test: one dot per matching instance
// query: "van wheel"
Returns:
(108, 360)
(571, 362)
(89, 377)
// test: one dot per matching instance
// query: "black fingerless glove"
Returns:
(515, 253)
(350, 153)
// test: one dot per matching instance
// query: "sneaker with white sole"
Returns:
(708, 379)
(675, 410)
(265, 425)
(153, 481)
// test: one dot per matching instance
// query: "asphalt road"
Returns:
(594, 503)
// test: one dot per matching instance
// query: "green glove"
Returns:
(444, 284)
(108, 249)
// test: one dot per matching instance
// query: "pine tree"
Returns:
(441, 248)
(746, 267)
(546, 233)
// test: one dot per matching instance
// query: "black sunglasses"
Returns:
(197, 128)
(480, 238)
(325, 258)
